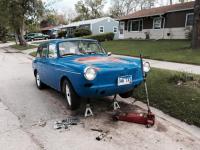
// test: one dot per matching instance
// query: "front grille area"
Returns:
(111, 77)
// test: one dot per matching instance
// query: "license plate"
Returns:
(125, 80)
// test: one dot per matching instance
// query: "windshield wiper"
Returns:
(92, 52)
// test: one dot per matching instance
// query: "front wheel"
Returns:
(73, 100)
(39, 83)
(127, 94)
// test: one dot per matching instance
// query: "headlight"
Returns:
(90, 73)
(146, 67)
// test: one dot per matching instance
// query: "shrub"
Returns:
(62, 34)
(101, 37)
(188, 35)
(82, 32)
(3, 34)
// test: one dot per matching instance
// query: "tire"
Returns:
(127, 94)
(73, 100)
(40, 85)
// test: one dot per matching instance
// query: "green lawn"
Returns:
(33, 53)
(169, 50)
(19, 47)
(177, 94)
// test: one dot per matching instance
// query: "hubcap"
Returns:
(68, 95)
(38, 79)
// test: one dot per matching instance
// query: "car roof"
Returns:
(55, 41)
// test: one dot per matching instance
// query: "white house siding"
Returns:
(174, 33)
(108, 25)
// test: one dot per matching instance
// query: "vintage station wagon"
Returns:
(82, 68)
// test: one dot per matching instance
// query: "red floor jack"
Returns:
(147, 119)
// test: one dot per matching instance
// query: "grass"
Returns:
(177, 94)
(33, 53)
(39, 42)
(19, 47)
(168, 50)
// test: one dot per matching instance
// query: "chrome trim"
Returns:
(68, 71)
(85, 70)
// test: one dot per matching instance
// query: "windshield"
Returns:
(80, 48)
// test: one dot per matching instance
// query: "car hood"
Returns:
(103, 61)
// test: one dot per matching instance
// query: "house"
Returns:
(167, 22)
(97, 26)
(52, 31)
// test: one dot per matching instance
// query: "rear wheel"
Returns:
(127, 94)
(73, 100)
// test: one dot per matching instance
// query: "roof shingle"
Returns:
(159, 10)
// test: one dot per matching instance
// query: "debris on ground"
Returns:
(64, 124)
(42, 123)
(103, 134)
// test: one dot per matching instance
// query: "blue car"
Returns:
(81, 68)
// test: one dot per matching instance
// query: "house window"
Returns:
(115, 29)
(135, 25)
(157, 22)
(189, 19)
(101, 29)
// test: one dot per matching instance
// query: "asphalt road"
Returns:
(23, 108)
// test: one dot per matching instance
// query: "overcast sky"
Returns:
(65, 6)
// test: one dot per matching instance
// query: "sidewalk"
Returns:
(189, 68)
(195, 69)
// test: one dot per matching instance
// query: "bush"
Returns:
(62, 34)
(82, 32)
(188, 35)
(3, 34)
(101, 37)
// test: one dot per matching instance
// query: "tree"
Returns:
(18, 11)
(52, 18)
(3, 22)
(196, 26)
(146, 4)
(89, 9)
(125, 7)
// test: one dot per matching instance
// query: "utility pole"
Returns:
(196, 26)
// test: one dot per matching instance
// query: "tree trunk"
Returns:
(20, 35)
(196, 26)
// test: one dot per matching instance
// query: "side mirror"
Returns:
(109, 53)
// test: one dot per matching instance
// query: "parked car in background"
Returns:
(82, 68)
(35, 36)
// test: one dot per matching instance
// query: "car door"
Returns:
(41, 61)
(51, 65)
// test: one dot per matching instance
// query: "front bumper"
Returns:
(89, 90)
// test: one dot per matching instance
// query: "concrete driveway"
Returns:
(23, 106)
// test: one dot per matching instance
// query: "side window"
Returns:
(115, 29)
(101, 29)
(157, 22)
(42, 51)
(189, 19)
(52, 51)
